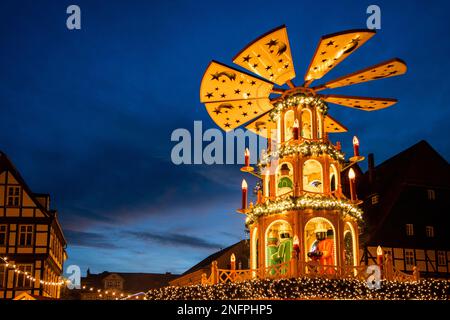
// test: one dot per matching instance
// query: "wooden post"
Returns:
(204, 280)
(416, 273)
(214, 273)
(388, 271)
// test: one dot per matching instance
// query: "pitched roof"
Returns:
(206, 263)
(418, 165)
(132, 282)
(6, 164)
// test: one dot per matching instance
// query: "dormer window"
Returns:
(13, 196)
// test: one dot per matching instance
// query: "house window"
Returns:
(429, 231)
(375, 199)
(2, 276)
(409, 229)
(441, 258)
(26, 235)
(21, 278)
(3, 228)
(13, 196)
(431, 194)
(113, 284)
(409, 257)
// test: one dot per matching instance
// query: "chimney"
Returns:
(371, 166)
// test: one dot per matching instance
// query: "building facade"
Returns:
(32, 243)
(406, 206)
(118, 285)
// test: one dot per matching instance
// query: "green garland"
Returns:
(301, 203)
(298, 99)
(306, 149)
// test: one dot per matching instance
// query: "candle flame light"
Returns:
(355, 141)
(296, 125)
(233, 258)
(379, 251)
(247, 157)
(244, 184)
(351, 174)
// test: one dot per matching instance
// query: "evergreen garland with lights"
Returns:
(306, 201)
(307, 288)
(296, 99)
(305, 149)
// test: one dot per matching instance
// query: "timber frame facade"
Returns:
(406, 202)
(31, 237)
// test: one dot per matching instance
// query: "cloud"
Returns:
(174, 239)
(88, 239)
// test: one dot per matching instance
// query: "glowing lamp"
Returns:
(355, 146)
(233, 258)
(247, 157)
(380, 257)
(379, 251)
(244, 194)
(351, 176)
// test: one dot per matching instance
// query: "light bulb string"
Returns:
(4, 261)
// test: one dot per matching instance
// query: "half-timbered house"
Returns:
(407, 210)
(32, 243)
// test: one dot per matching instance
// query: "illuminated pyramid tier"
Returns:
(301, 211)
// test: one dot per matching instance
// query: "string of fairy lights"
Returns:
(307, 288)
(306, 148)
(112, 294)
(100, 293)
(296, 99)
(4, 261)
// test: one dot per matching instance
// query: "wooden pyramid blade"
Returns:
(333, 49)
(223, 83)
(229, 115)
(390, 68)
(361, 103)
(269, 56)
(262, 125)
(333, 126)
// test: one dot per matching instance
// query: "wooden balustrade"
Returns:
(297, 268)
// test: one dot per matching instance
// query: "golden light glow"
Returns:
(244, 184)
(233, 258)
(351, 174)
(391, 68)
(296, 125)
(247, 152)
(332, 125)
(379, 251)
(333, 49)
(355, 141)
(269, 56)
(361, 103)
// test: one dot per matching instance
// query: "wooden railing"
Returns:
(297, 268)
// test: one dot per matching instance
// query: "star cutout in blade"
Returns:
(272, 43)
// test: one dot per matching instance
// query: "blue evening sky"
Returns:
(87, 115)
